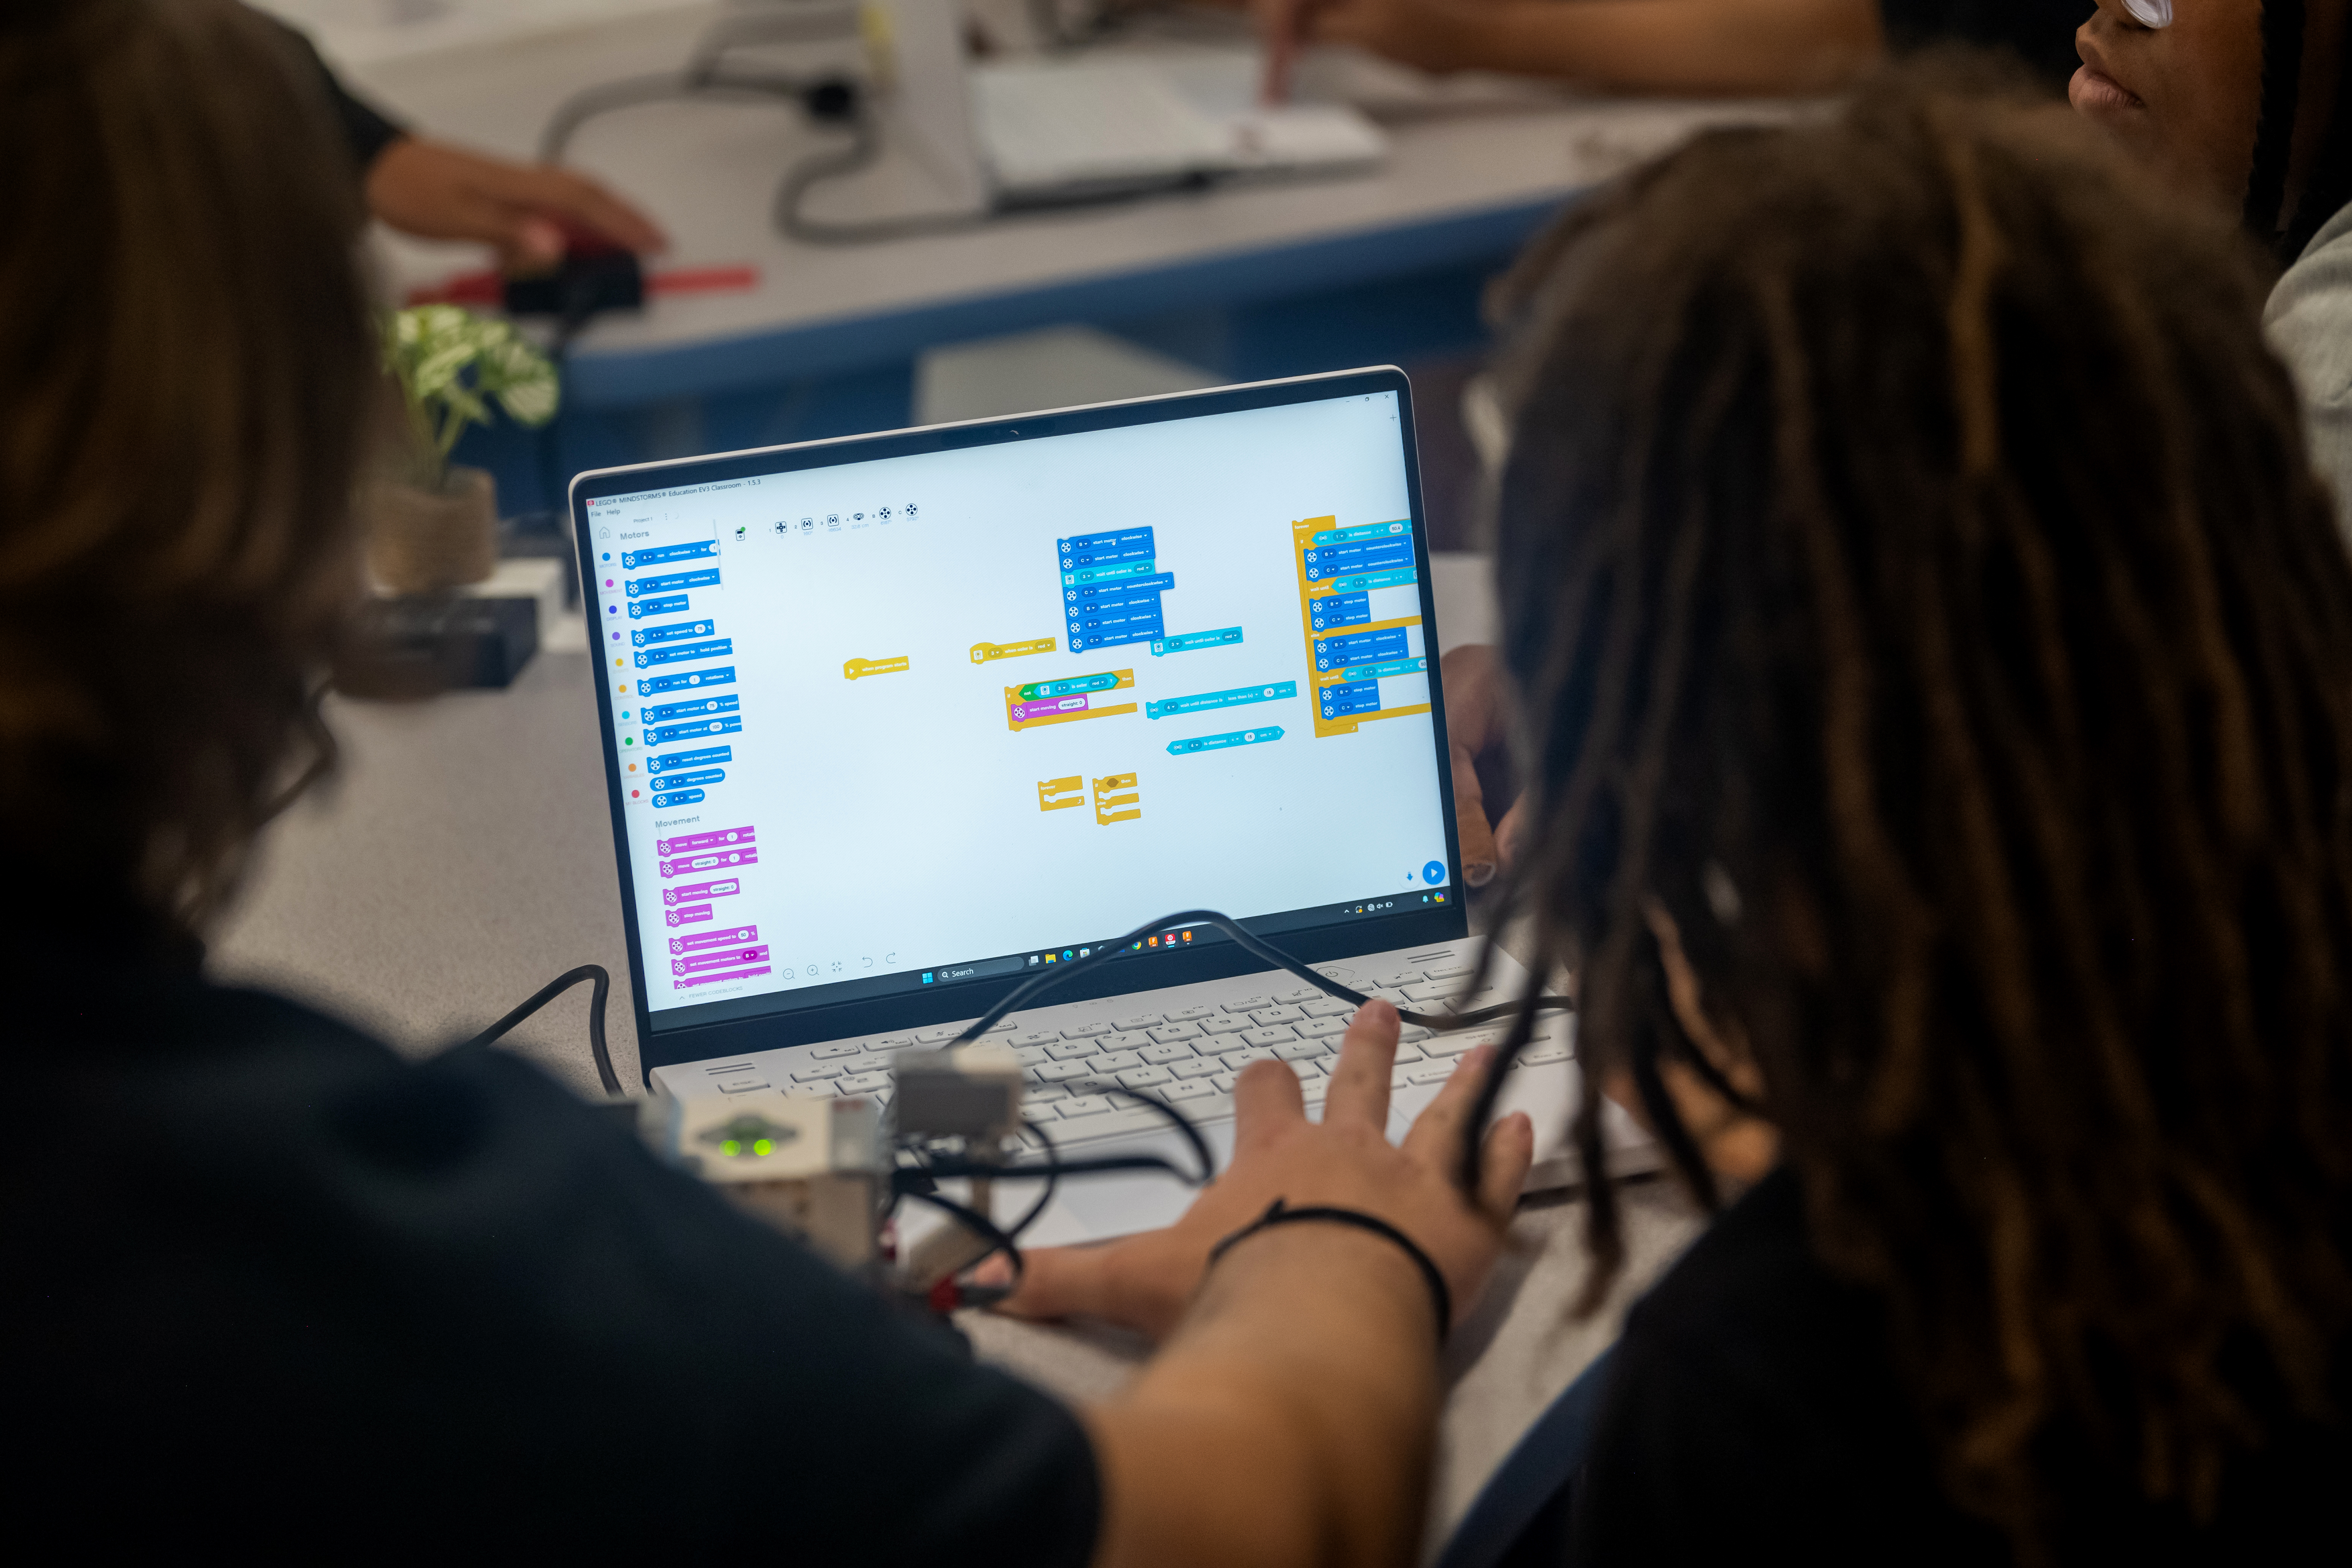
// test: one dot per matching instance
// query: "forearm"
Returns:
(1287, 1422)
(1730, 47)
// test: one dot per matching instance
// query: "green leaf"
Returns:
(452, 365)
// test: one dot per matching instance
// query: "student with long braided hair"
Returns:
(1934, 657)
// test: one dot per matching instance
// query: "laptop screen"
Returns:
(949, 716)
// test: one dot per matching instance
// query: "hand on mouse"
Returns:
(525, 212)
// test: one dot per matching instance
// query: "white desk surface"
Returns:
(463, 858)
(1460, 184)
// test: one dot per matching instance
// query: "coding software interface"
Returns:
(932, 718)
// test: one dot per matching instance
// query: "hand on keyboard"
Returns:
(1345, 1160)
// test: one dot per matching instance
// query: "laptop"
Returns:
(894, 723)
(1033, 133)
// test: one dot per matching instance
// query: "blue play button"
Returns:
(1433, 873)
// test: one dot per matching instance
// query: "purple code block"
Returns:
(690, 915)
(716, 860)
(687, 844)
(1045, 705)
(757, 954)
(725, 888)
(707, 979)
(714, 939)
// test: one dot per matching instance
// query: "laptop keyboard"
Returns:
(1187, 1058)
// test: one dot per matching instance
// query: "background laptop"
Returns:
(1032, 132)
(894, 722)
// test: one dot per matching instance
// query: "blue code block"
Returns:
(683, 797)
(1125, 569)
(702, 776)
(700, 550)
(668, 710)
(659, 605)
(703, 758)
(1361, 648)
(1126, 590)
(680, 653)
(640, 586)
(694, 732)
(1356, 697)
(1125, 626)
(1361, 531)
(1339, 560)
(648, 636)
(723, 676)
(1341, 610)
(1104, 549)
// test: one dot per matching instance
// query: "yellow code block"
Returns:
(1117, 799)
(858, 668)
(982, 652)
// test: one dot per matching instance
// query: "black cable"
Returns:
(1039, 984)
(1053, 1178)
(864, 146)
(746, 87)
(950, 1169)
(548, 993)
(1182, 1122)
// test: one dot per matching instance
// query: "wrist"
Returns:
(1338, 1249)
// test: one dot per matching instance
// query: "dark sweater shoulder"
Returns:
(289, 1280)
(1749, 1400)
(1753, 1404)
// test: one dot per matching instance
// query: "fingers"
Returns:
(1360, 1083)
(439, 192)
(1478, 855)
(585, 202)
(1056, 1282)
(1267, 1097)
(1279, 24)
(1472, 676)
(1506, 834)
(1435, 1136)
(1502, 1163)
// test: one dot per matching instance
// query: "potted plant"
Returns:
(434, 524)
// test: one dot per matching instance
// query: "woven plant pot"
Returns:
(424, 542)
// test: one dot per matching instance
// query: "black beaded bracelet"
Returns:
(1281, 1213)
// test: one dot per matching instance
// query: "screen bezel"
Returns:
(791, 1026)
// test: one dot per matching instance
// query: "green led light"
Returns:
(730, 1147)
(760, 1147)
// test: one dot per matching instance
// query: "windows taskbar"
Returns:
(1038, 960)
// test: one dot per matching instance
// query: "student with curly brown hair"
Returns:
(272, 1291)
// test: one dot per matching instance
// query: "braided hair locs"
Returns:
(1917, 587)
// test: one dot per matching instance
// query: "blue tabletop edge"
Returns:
(617, 378)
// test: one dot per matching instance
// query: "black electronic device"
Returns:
(588, 282)
(418, 644)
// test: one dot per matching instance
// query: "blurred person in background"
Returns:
(529, 213)
(2241, 103)
(273, 1290)
(1729, 48)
